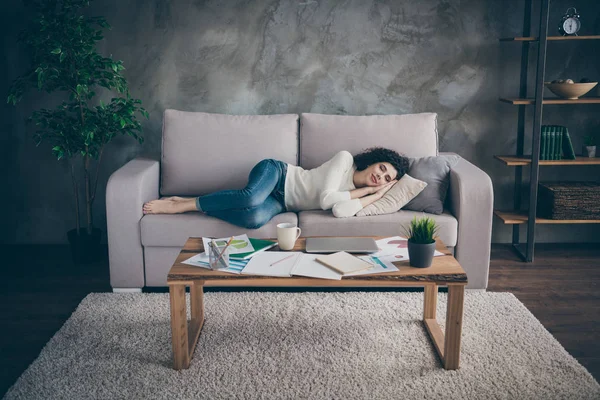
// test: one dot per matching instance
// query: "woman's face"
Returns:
(379, 174)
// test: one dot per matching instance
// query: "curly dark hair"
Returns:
(374, 155)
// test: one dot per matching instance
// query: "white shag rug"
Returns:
(312, 345)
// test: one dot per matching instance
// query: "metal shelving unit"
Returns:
(516, 217)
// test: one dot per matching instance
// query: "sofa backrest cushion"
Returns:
(203, 153)
(321, 136)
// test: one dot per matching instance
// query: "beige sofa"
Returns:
(202, 153)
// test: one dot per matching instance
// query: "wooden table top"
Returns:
(444, 269)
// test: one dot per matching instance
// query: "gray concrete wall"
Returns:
(339, 57)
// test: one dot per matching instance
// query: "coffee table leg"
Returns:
(447, 345)
(197, 311)
(179, 327)
(431, 294)
(454, 316)
(429, 315)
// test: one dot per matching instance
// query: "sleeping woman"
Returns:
(344, 184)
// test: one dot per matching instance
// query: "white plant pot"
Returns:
(589, 151)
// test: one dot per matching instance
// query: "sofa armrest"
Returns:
(127, 190)
(471, 202)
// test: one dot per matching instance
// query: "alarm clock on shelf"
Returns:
(570, 23)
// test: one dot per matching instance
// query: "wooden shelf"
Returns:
(514, 161)
(552, 100)
(550, 38)
(515, 218)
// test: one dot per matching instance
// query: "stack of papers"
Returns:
(287, 263)
(202, 260)
(239, 244)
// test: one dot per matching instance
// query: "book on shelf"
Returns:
(555, 143)
(557, 151)
(567, 146)
(558, 143)
(544, 143)
(555, 133)
(550, 144)
(549, 152)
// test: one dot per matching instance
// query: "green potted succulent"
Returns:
(61, 40)
(589, 145)
(421, 234)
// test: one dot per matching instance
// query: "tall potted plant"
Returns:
(421, 235)
(62, 44)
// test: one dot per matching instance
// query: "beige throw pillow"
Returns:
(406, 189)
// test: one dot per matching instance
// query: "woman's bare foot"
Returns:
(169, 207)
(175, 198)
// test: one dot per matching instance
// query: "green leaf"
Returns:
(62, 57)
(56, 51)
(40, 79)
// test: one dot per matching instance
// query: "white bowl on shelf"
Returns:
(571, 91)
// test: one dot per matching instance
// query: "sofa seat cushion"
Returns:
(167, 230)
(323, 223)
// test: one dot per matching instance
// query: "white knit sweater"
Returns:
(325, 187)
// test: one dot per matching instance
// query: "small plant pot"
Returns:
(589, 151)
(420, 255)
(85, 249)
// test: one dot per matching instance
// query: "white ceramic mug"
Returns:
(287, 234)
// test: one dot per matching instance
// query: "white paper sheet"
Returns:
(201, 260)
(260, 264)
(307, 265)
(239, 244)
(395, 248)
(379, 266)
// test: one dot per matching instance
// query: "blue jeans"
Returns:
(254, 205)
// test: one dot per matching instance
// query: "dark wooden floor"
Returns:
(42, 287)
(562, 289)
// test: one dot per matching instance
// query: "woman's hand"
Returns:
(385, 187)
(379, 192)
(366, 191)
(382, 189)
(374, 189)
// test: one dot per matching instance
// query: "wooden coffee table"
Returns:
(445, 271)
